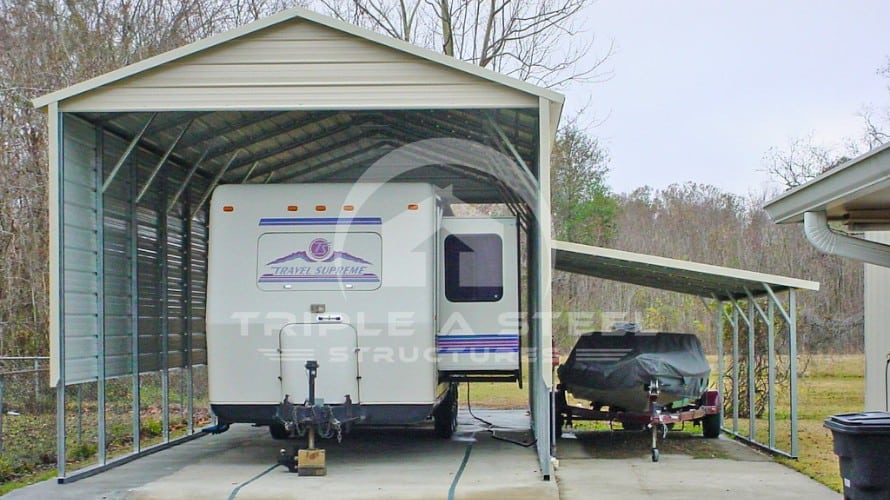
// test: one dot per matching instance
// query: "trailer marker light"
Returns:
(228, 208)
(413, 206)
(348, 208)
(320, 208)
(292, 208)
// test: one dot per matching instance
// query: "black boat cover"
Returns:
(619, 361)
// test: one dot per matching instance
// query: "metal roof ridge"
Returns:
(686, 265)
(284, 16)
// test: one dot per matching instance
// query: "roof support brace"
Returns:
(162, 161)
(127, 152)
(188, 178)
(213, 184)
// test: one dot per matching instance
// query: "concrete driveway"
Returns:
(413, 463)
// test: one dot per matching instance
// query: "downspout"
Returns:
(825, 239)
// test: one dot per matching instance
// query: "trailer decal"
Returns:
(319, 263)
(321, 221)
(462, 344)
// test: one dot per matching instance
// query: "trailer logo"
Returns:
(319, 248)
(319, 263)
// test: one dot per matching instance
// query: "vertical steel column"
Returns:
(771, 370)
(1, 414)
(735, 369)
(134, 310)
(187, 295)
(100, 296)
(752, 382)
(720, 362)
(792, 347)
(163, 252)
(532, 327)
(55, 123)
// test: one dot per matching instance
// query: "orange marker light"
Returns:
(348, 208)
(228, 208)
(413, 206)
(320, 208)
(291, 208)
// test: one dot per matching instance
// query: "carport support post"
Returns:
(165, 309)
(134, 309)
(56, 188)
(543, 270)
(100, 294)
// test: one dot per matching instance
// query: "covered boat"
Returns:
(616, 368)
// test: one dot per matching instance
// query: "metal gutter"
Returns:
(825, 239)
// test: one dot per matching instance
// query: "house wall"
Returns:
(877, 329)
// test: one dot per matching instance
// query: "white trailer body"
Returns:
(393, 300)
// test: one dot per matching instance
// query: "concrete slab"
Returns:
(370, 463)
(606, 465)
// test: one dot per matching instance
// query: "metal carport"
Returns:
(298, 97)
(743, 292)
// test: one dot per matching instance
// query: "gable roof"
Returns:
(288, 15)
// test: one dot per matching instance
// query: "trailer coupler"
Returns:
(314, 418)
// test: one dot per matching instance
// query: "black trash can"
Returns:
(862, 444)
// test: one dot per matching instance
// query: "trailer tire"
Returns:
(445, 415)
(278, 431)
(710, 426)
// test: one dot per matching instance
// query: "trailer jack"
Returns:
(314, 419)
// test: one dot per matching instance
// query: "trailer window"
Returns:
(474, 270)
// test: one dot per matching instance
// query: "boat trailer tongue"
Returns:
(315, 419)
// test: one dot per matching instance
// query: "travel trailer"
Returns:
(365, 303)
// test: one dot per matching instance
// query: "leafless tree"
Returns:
(540, 41)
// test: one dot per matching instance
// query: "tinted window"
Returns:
(474, 268)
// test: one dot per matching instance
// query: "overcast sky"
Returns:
(702, 89)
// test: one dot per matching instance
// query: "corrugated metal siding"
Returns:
(300, 65)
(185, 285)
(877, 328)
(79, 255)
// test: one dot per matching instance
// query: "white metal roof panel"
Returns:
(272, 24)
(682, 276)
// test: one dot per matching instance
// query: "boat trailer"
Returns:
(659, 419)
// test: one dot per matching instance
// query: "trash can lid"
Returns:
(870, 422)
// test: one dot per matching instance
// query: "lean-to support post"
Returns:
(735, 370)
(792, 367)
(126, 154)
(771, 364)
(100, 296)
(752, 381)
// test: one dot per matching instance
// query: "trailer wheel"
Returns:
(278, 431)
(445, 415)
(710, 426)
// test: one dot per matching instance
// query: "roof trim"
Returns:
(652, 266)
(857, 177)
(283, 16)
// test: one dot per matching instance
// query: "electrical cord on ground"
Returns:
(490, 425)
(254, 478)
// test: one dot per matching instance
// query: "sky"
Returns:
(700, 90)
